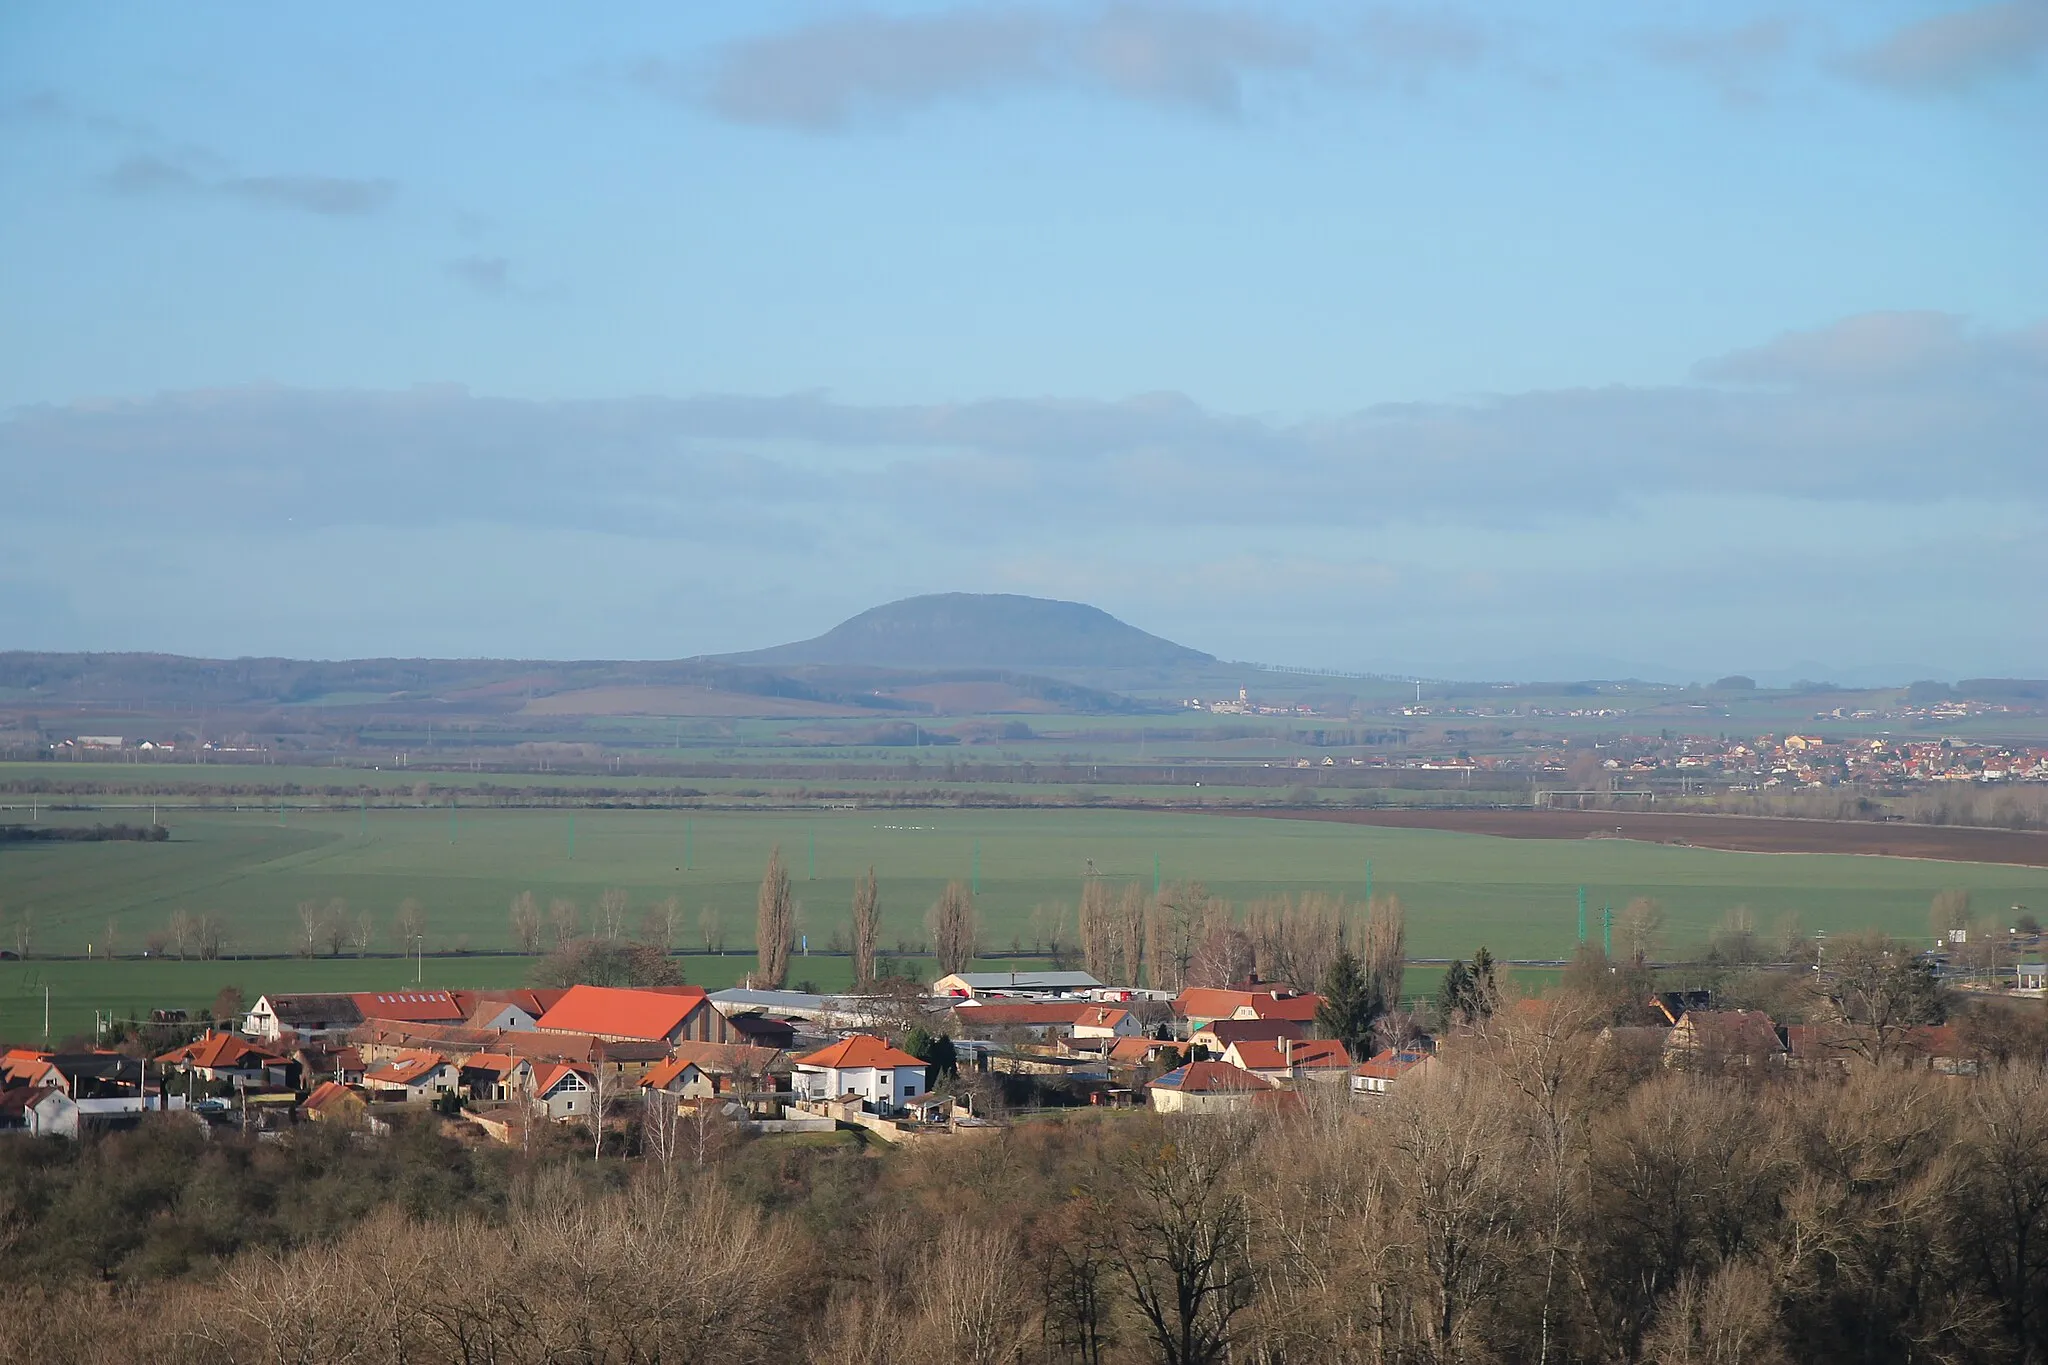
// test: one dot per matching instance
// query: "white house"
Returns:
(886, 1078)
(413, 1075)
(1106, 1021)
(567, 1091)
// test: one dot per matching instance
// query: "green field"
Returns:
(1516, 896)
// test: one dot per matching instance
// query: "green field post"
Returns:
(1368, 883)
(813, 833)
(363, 815)
(689, 830)
(1582, 914)
(1607, 928)
(976, 883)
(451, 819)
(572, 836)
(1155, 874)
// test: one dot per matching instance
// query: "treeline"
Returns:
(82, 834)
(2001, 806)
(1541, 1194)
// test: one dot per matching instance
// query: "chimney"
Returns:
(1287, 1052)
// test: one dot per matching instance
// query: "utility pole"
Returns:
(1607, 928)
(1582, 914)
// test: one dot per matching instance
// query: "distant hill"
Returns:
(980, 630)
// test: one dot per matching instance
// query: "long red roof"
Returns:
(622, 1012)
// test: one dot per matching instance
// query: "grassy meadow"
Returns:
(1518, 897)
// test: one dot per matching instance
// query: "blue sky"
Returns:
(1548, 339)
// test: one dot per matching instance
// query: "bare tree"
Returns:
(711, 925)
(604, 1094)
(951, 921)
(1727, 1318)
(526, 922)
(1642, 925)
(1130, 934)
(210, 935)
(1949, 910)
(867, 928)
(310, 914)
(669, 911)
(774, 922)
(1384, 952)
(566, 918)
(1182, 1240)
(365, 931)
(334, 926)
(970, 1295)
(410, 922)
(611, 913)
(1095, 924)
(1875, 989)
(183, 932)
(1223, 958)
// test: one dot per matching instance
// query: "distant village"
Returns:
(677, 1063)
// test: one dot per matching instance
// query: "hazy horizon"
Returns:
(1403, 339)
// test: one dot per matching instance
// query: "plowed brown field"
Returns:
(1739, 833)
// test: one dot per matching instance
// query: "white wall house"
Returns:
(885, 1077)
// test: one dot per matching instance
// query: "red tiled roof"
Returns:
(420, 1007)
(219, 1050)
(1390, 1065)
(1138, 1049)
(623, 1013)
(660, 1076)
(1735, 1031)
(1208, 1078)
(1228, 1031)
(406, 1069)
(1101, 1016)
(857, 1051)
(724, 1059)
(1268, 1054)
(1204, 1002)
(328, 1093)
(497, 1063)
(1300, 1009)
(548, 1075)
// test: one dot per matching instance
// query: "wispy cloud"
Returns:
(148, 174)
(1858, 410)
(1738, 62)
(485, 274)
(840, 71)
(1959, 50)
